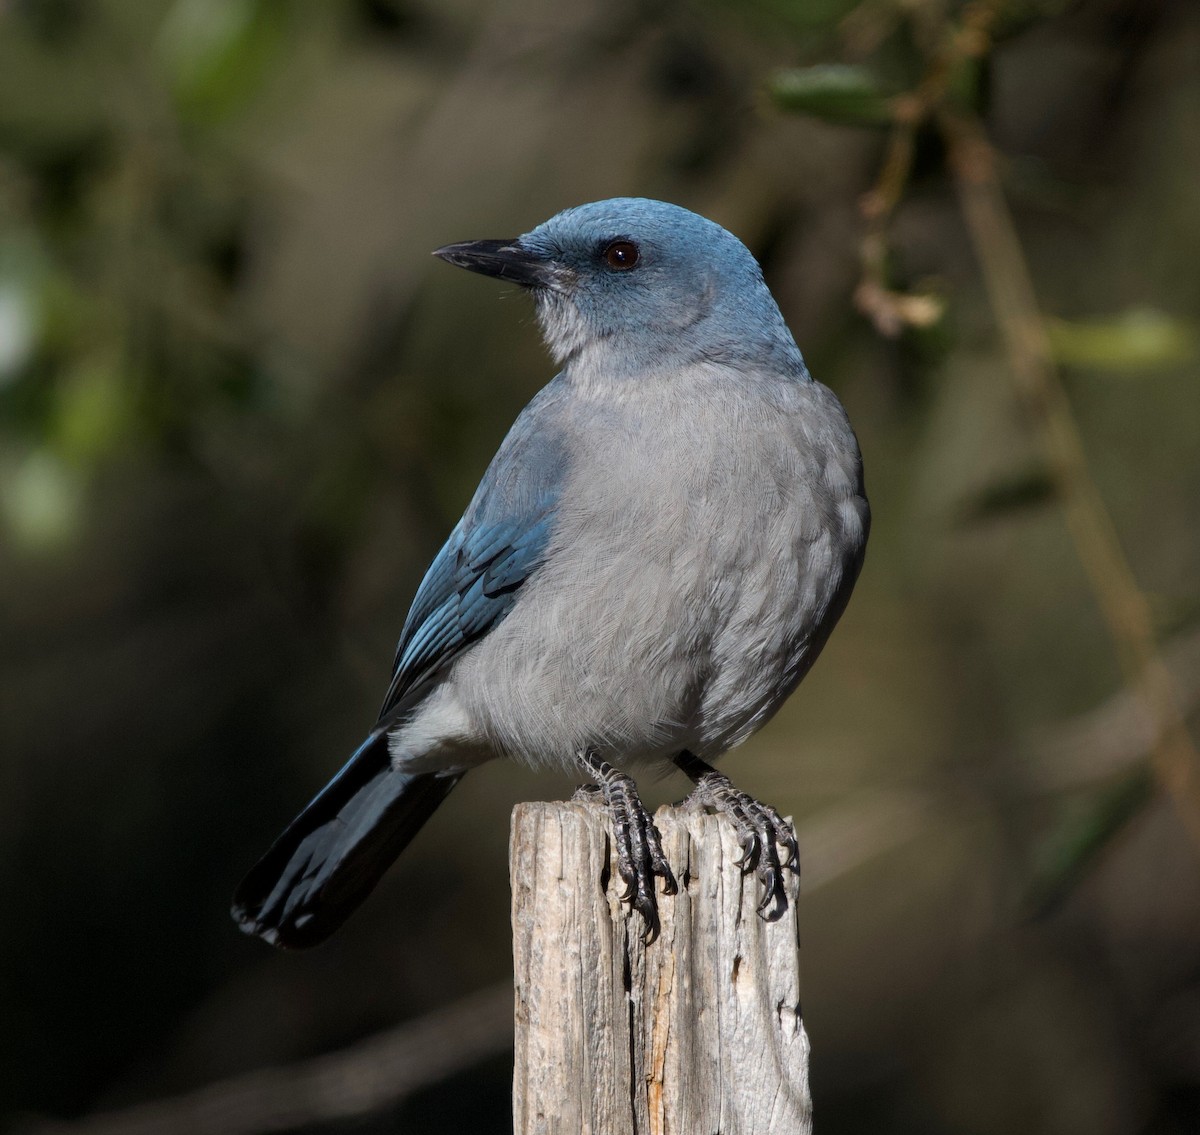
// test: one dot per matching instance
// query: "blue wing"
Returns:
(335, 851)
(500, 541)
(469, 588)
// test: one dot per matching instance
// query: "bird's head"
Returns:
(633, 284)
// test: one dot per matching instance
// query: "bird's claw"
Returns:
(761, 832)
(640, 858)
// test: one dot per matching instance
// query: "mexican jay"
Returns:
(652, 561)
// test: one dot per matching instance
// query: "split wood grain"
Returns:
(699, 1033)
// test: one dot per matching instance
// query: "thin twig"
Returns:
(1013, 299)
(1011, 293)
(889, 310)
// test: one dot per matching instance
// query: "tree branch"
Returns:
(1010, 290)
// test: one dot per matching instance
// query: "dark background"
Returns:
(241, 406)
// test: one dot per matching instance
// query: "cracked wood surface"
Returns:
(697, 1034)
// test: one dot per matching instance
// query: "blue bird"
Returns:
(652, 562)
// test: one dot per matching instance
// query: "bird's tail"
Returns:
(336, 850)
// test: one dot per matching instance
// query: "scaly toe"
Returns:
(774, 898)
(761, 832)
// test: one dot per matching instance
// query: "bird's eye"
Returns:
(621, 255)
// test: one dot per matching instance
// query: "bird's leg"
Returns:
(759, 829)
(639, 847)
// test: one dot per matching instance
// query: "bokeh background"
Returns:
(240, 407)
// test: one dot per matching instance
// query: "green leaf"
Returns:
(967, 83)
(1014, 493)
(93, 411)
(41, 501)
(24, 273)
(835, 92)
(215, 52)
(19, 326)
(1138, 339)
(1083, 831)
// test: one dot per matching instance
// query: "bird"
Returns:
(652, 562)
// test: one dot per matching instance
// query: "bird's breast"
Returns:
(701, 542)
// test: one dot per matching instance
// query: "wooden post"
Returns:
(697, 1034)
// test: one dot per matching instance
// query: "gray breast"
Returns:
(704, 547)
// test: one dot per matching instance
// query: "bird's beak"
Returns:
(505, 259)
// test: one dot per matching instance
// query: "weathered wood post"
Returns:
(697, 1034)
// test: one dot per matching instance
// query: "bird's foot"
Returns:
(640, 858)
(761, 831)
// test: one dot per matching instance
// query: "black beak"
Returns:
(505, 259)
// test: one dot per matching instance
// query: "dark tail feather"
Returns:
(336, 850)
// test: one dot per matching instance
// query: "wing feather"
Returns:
(476, 578)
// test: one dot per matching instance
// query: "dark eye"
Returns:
(621, 255)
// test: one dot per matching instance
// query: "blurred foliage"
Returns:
(1085, 828)
(835, 92)
(240, 406)
(1134, 340)
(216, 53)
(1022, 490)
